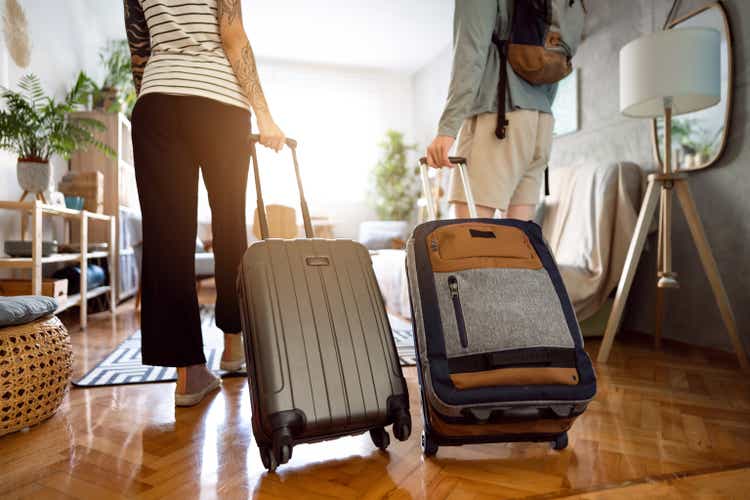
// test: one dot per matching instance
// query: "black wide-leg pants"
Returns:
(174, 137)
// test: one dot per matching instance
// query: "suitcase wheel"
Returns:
(560, 442)
(282, 446)
(429, 445)
(380, 437)
(266, 456)
(402, 426)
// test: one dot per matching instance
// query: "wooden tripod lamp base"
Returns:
(657, 185)
(673, 71)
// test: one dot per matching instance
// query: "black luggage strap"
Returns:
(540, 356)
(502, 86)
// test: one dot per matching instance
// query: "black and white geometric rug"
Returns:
(123, 365)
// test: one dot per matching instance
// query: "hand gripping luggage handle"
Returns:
(456, 160)
(292, 144)
(288, 141)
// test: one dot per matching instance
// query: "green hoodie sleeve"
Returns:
(473, 23)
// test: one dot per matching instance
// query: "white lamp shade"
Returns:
(683, 65)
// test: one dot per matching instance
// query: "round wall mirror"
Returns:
(699, 138)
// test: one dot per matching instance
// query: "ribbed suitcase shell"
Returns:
(318, 342)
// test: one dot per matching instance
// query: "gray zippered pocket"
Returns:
(458, 311)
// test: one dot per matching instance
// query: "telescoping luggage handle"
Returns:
(292, 144)
(456, 160)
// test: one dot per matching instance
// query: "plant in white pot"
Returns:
(394, 194)
(35, 126)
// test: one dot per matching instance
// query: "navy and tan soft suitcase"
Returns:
(322, 361)
(500, 353)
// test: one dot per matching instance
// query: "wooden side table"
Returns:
(36, 210)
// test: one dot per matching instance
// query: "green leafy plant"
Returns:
(36, 126)
(395, 190)
(117, 91)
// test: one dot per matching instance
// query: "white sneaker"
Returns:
(237, 351)
(209, 383)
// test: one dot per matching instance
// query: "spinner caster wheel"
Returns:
(402, 427)
(429, 446)
(380, 438)
(560, 442)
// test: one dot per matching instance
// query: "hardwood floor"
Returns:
(671, 424)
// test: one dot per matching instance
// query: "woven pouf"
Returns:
(35, 369)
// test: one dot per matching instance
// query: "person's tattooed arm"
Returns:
(240, 54)
(138, 40)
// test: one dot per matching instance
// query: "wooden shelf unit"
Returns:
(120, 192)
(36, 210)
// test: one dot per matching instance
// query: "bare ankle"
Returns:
(184, 373)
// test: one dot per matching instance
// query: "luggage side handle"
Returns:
(456, 160)
(485, 414)
(292, 144)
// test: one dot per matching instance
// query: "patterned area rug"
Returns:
(123, 365)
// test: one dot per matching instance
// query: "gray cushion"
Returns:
(25, 309)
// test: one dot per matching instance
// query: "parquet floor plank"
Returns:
(672, 423)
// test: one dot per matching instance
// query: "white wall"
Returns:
(66, 37)
(338, 115)
(430, 92)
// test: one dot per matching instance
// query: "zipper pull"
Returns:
(453, 286)
(463, 338)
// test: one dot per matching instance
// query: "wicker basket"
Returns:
(35, 370)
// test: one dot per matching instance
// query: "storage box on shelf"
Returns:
(120, 195)
(89, 185)
(36, 210)
(57, 289)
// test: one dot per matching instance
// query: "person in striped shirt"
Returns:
(196, 79)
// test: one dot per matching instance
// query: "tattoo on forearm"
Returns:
(247, 75)
(228, 10)
(138, 40)
(243, 60)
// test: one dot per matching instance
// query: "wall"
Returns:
(720, 193)
(605, 135)
(66, 37)
(338, 115)
(430, 92)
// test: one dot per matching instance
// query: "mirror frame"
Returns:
(730, 76)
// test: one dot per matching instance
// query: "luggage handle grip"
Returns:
(291, 143)
(456, 160)
(261, 207)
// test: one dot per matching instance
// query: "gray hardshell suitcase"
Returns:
(499, 351)
(322, 361)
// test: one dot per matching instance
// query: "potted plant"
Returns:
(35, 126)
(394, 194)
(117, 92)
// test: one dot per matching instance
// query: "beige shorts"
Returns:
(504, 172)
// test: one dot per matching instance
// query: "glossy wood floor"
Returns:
(671, 424)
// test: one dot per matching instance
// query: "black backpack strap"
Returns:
(546, 180)
(502, 86)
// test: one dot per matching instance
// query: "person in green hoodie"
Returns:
(506, 174)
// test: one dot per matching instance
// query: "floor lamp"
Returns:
(670, 73)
